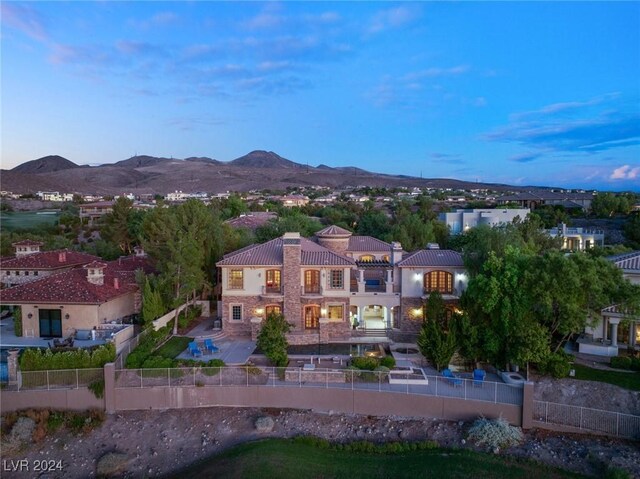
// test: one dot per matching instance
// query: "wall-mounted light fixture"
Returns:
(259, 311)
(29, 315)
(66, 316)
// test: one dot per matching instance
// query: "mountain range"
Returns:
(256, 170)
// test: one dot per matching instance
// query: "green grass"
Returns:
(630, 380)
(26, 220)
(282, 459)
(173, 347)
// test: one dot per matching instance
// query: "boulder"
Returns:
(112, 464)
(264, 424)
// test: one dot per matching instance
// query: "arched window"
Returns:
(441, 281)
(367, 257)
(272, 309)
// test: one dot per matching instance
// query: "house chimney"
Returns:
(26, 247)
(139, 251)
(116, 283)
(95, 272)
(396, 252)
(62, 256)
(291, 278)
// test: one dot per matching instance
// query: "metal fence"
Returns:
(58, 379)
(587, 419)
(319, 378)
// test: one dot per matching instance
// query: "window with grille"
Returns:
(236, 312)
(312, 281)
(441, 281)
(272, 309)
(336, 279)
(273, 280)
(236, 279)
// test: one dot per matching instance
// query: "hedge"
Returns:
(41, 360)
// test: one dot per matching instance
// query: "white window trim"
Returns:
(330, 280)
(231, 306)
(231, 288)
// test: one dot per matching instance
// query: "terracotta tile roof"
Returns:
(432, 257)
(368, 243)
(98, 204)
(95, 265)
(252, 220)
(48, 260)
(333, 230)
(627, 261)
(270, 254)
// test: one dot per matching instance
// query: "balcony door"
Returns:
(50, 323)
(311, 316)
(312, 281)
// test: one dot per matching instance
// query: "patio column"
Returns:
(360, 281)
(614, 330)
(389, 282)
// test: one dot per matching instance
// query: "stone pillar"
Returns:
(389, 282)
(291, 279)
(110, 388)
(360, 281)
(12, 365)
(527, 405)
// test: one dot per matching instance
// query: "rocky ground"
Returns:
(160, 443)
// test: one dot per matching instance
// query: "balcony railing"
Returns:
(312, 289)
(272, 290)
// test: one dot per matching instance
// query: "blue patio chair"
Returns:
(452, 378)
(478, 376)
(210, 347)
(194, 349)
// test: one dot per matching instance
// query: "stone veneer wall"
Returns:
(291, 281)
(337, 245)
(249, 304)
(409, 323)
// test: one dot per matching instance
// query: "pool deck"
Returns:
(232, 351)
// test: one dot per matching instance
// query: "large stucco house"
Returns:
(615, 329)
(334, 286)
(81, 298)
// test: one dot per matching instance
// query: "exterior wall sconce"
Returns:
(259, 311)
(66, 316)
(323, 311)
(29, 315)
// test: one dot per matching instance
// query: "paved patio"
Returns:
(232, 351)
(9, 340)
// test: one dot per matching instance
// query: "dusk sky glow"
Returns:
(532, 93)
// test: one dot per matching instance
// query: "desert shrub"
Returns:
(55, 421)
(556, 365)
(97, 388)
(613, 472)
(388, 362)
(635, 363)
(494, 433)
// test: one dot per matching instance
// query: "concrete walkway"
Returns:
(232, 351)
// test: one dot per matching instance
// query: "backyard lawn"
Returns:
(281, 458)
(630, 380)
(173, 347)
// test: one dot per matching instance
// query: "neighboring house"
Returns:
(577, 239)
(252, 220)
(54, 196)
(534, 199)
(607, 335)
(461, 220)
(294, 200)
(82, 298)
(330, 286)
(94, 211)
(30, 264)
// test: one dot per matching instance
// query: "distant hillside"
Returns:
(143, 174)
(46, 164)
(264, 159)
(139, 161)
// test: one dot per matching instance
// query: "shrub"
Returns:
(40, 360)
(557, 365)
(621, 362)
(272, 339)
(17, 321)
(494, 433)
(364, 362)
(97, 388)
(388, 362)
(145, 348)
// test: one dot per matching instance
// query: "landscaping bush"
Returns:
(145, 348)
(41, 360)
(494, 433)
(365, 363)
(388, 362)
(556, 365)
(17, 321)
(621, 362)
(97, 388)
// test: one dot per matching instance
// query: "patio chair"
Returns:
(194, 349)
(210, 347)
(452, 378)
(478, 376)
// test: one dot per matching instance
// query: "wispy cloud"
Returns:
(436, 72)
(160, 19)
(625, 172)
(447, 158)
(25, 19)
(393, 18)
(574, 127)
(524, 158)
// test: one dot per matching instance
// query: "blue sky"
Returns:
(532, 93)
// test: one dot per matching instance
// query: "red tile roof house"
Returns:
(82, 298)
(326, 285)
(30, 264)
